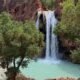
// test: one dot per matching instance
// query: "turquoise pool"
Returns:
(42, 71)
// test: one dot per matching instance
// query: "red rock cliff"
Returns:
(25, 9)
(58, 8)
(20, 9)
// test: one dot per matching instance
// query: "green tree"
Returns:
(20, 42)
(69, 26)
(49, 4)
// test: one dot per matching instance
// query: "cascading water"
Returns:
(54, 44)
(37, 22)
(51, 38)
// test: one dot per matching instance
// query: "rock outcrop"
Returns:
(26, 9)
(58, 8)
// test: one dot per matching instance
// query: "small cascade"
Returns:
(51, 38)
(37, 23)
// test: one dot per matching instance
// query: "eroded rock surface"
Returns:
(20, 9)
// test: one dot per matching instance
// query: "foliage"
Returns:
(49, 4)
(69, 26)
(75, 56)
(20, 42)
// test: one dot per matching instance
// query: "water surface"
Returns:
(41, 71)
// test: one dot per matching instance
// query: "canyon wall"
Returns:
(20, 9)
(26, 9)
(58, 8)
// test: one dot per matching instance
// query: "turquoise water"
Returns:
(42, 71)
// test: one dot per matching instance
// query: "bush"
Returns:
(75, 56)
(68, 29)
(69, 26)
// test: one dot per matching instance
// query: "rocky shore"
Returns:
(22, 77)
(62, 78)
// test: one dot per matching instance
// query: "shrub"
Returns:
(75, 56)
(69, 28)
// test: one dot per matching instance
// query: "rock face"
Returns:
(26, 9)
(20, 9)
(58, 8)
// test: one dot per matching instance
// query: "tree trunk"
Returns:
(22, 58)
(14, 63)
(12, 76)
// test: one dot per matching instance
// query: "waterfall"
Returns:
(47, 15)
(54, 41)
(51, 38)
